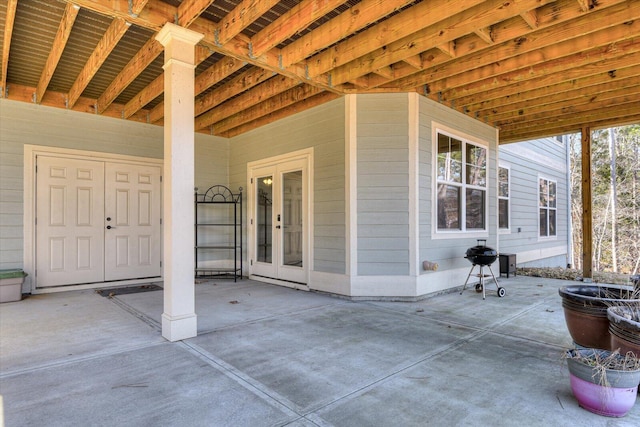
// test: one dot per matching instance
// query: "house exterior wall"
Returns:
(22, 124)
(448, 250)
(323, 129)
(528, 161)
(383, 185)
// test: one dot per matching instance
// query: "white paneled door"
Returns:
(96, 221)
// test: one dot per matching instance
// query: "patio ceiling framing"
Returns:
(531, 68)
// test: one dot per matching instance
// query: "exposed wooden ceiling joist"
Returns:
(507, 63)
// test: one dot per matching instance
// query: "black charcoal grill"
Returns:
(482, 256)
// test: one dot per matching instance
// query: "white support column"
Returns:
(179, 319)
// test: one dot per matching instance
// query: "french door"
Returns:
(97, 221)
(279, 221)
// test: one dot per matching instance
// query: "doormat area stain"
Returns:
(128, 290)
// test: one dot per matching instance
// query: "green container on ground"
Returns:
(11, 285)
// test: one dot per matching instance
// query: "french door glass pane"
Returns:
(292, 218)
(264, 219)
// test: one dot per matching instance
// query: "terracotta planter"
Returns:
(624, 328)
(613, 398)
(585, 312)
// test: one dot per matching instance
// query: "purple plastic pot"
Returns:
(613, 400)
(607, 401)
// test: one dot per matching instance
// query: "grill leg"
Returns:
(482, 283)
(465, 282)
(494, 277)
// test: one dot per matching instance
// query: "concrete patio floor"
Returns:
(271, 356)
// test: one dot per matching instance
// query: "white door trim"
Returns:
(29, 176)
(305, 155)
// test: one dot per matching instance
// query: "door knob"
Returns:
(109, 227)
(108, 218)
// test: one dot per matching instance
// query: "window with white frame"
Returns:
(504, 197)
(461, 184)
(547, 192)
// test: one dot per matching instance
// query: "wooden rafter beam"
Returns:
(267, 89)
(190, 10)
(296, 19)
(522, 50)
(592, 48)
(531, 18)
(485, 34)
(275, 103)
(6, 46)
(140, 61)
(542, 90)
(597, 72)
(241, 17)
(59, 43)
(136, 6)
(102, 51)
(570, 100)
(209, 77)
(356, 18)
(239, 84)
(298, 107)
(365, 46)
(464, 22)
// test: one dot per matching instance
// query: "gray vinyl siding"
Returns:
(322, 128)
(22, 123)
(383, 180)
(528, 161)
(449, 252)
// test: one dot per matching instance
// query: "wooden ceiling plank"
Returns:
(265, 90)
(568, 100)
(592, 87)
(448, 49)
(512, 32)
(298, 107)
(352, 20)
(585, 5)
(137, 6)
(465, 22)
(145, 96)
(241, 83)
(608, 43)
(397, 31)
(295, 20)
(55, 53)
(189, 10)
(275, 103)
(415, 61)
(136, 65)
(609, 111)
(598, 72)
(109, 40)
(531, 18)
(485, 34)
(6, 44)
(567, 26)
(157, 13)
(241, 17)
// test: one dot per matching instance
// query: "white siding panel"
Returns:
(322, 128)
(383, 184)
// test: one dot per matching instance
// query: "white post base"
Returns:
(179, 328)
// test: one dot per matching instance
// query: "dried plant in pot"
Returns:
(585, 312)
(624, 327)
(602, 381)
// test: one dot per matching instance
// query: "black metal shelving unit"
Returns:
(209, 204)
